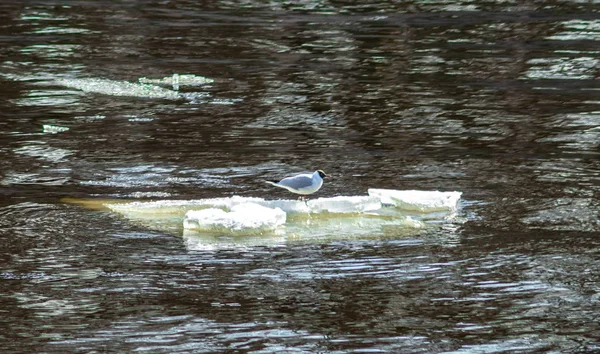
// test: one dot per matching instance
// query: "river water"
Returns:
(497, 99)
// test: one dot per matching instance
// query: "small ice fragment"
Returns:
(119, 88)
(247, 218)
(47, 128)
(177, 80)
(414, 200)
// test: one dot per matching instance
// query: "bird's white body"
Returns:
(303, 184)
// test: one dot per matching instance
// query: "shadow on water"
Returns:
(496, 99)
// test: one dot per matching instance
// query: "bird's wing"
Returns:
(297, 182)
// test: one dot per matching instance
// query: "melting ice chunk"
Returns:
(422, 201)
(202, 240)
(118, 88)
(382, 212)
(48, 128)
(178, 80)
(249, 218)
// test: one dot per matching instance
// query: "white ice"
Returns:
(248, 218)
(344, 205)
(48, 128)
(414, 200)
(178, 80)
(334, 205)
(118, 88)
(383, 212)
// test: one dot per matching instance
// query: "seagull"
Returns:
(303, 184)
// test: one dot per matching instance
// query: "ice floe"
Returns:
(384, 212)
(118, 88)
(143, 88)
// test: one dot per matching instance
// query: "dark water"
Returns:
(497, 99)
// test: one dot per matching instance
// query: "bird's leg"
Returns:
(303, 198)
(307, 207)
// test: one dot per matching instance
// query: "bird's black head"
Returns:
(321, 173)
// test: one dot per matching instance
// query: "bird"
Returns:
(303, 184)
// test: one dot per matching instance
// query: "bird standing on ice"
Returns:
(303, 184)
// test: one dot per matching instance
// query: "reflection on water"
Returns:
(573, 30)
(563, 68)
(180, 100)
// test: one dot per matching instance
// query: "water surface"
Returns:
(496, 99)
